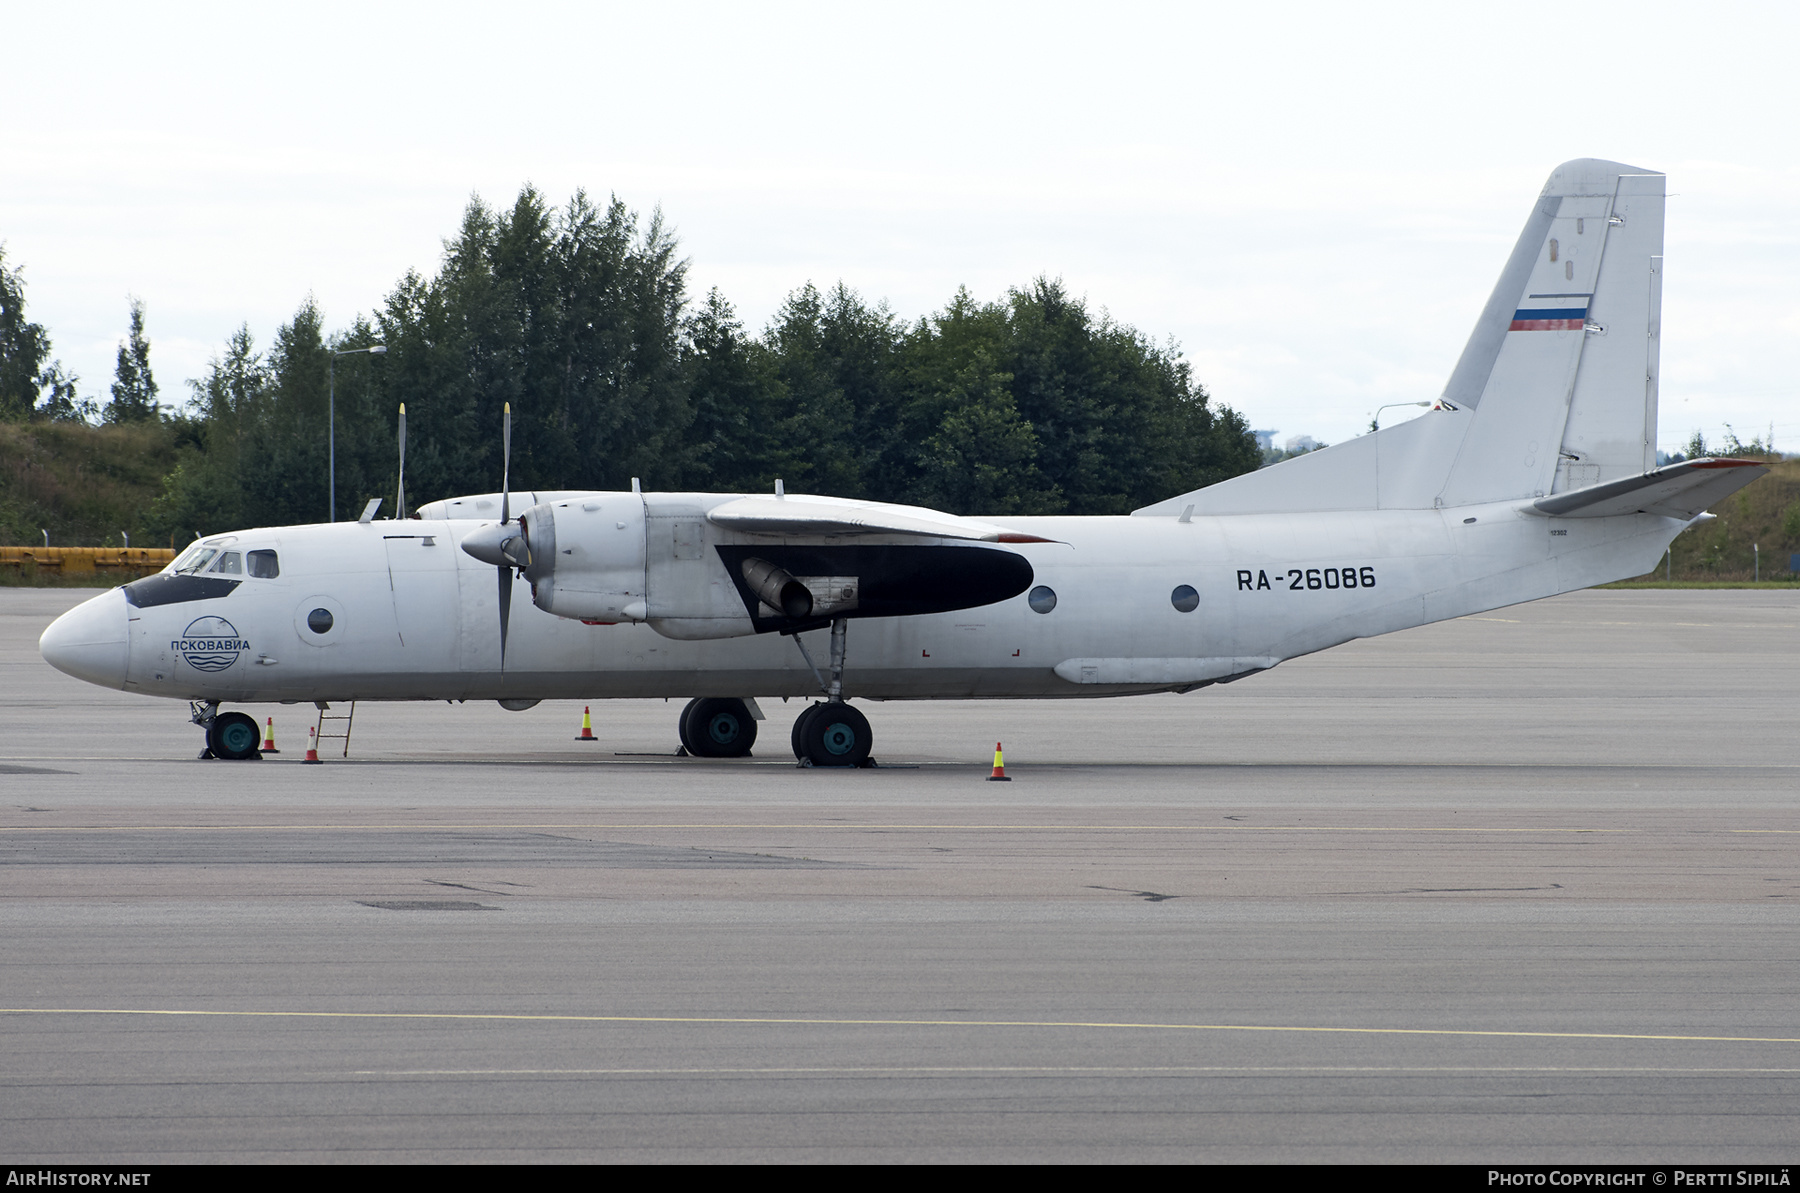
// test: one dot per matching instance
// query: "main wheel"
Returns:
(234, 736)
(798, 736)
(718, 727)
(681, 727)
(836, 735)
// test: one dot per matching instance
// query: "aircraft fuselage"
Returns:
(409, 616)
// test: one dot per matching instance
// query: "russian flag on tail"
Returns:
(1552, 312)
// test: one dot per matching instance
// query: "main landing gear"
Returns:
(832, 733)
(717, 727)
(229, 735)
(828, 733)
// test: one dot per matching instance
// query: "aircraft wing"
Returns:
(802, 514)
(1674, 491)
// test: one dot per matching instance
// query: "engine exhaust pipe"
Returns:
(777, 589)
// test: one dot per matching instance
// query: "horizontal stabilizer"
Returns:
(800, 514)
(1675, 491)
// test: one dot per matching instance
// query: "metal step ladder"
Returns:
(325, 714)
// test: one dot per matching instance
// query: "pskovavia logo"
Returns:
(209, 644)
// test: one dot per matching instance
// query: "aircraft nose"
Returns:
(89, 641)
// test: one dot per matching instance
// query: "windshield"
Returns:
(194, 559)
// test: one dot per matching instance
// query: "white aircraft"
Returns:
(1533, 474)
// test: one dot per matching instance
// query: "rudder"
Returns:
(1560, 372)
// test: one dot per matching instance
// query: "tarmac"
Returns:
(1516, 888)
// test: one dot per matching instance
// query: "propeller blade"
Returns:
(506, 579)
(506, 587)
(400, 497)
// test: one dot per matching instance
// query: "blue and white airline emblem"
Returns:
(209, 644)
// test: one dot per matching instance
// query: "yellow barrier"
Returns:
(71, 560)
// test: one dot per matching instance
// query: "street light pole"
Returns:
(1375, 423)
(331, 418)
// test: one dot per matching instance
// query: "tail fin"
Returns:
(1561, 370)
(1556, 389)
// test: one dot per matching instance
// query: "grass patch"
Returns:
(1791, 584)
(83, 484)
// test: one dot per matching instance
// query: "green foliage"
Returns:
(574, 318)
(1765, 515)
(579, 318)
(24, 351)
(134, 387)
(1759, 445)
(84, 484)
(62, 403)
(1029, 405)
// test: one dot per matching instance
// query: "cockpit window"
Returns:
(264, 565)
(231, 563)
(194, 559)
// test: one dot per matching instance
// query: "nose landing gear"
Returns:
(230, 735)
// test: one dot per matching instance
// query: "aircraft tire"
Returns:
(234, 736)
(718, 727)
(836, 735)
(798, 736)
(681, 726)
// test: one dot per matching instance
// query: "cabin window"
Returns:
(1042, 599)
(1185, 599)
(264, 565)
(319, 621)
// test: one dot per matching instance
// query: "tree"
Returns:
(575, 318)
(62, 403)
(205, 492)
(133, 387)
(578, 318)
(741, 437)
(983, 458)
(24, 347)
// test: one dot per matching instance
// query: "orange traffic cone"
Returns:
(268, 746)
(587, 727)
(999, 775)
(312, 746)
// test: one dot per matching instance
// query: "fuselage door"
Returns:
(422, 576)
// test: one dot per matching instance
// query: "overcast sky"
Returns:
(1313, 201)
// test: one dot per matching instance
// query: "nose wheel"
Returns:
(234, 737)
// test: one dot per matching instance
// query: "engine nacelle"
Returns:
(586, 557)
(658, 558)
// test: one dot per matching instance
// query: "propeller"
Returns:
(400, 497)
(506, 579)
(505, 546)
